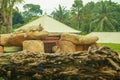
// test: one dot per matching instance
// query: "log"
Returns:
(95, 64)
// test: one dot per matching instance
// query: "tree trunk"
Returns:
(6, 8)
(101, 64)
(0, 27)
(78, 19)
(9, 24)
(79, 24)
(1, 21)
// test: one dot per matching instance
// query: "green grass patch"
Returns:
(12, 49)
(115, 47)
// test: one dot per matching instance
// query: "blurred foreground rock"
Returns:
(94, 64)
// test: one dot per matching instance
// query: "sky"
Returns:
(49, 5)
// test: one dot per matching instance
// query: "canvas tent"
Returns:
(51, 25)
(107, 37)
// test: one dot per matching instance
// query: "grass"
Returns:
(115, 47)
(11, 49)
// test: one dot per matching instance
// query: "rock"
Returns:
(70, 37)
(94, 46)
(35, 28)
(66, 47)
(37, 35)
(84, 65)
(87, 39)
(36, 46)
(1, 49)
(29, 29)
(79, 47)
(85, 47)
(56, 49)
(4, 39)
(79, 39)
(17, 39)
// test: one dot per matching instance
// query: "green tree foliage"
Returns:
(61, 14)
(17, 19)
(76, 11)
(115, 14)
(103, 20)
(86, 16)
(6, 10)
(31, 10)
(100, 16)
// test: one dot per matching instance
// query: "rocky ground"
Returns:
(94, 64)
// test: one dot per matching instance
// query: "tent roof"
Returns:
(107, 37)
(51, 25)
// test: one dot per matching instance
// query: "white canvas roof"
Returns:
(107, 37)
(51, 25)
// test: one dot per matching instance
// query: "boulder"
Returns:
(94, 46)
(86, 65)
(84, 47)
(36, 46)
(65, 47)
(79, 48)
(1, 49)
(56, 49)
(18, 38)
(87, 39)
(31, 28)
(4, 39)
(37, 35)
(70, 37)
(79, 39)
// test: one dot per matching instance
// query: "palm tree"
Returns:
(86, 16)
(102, 20)
(76, 10)
(61, 14)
